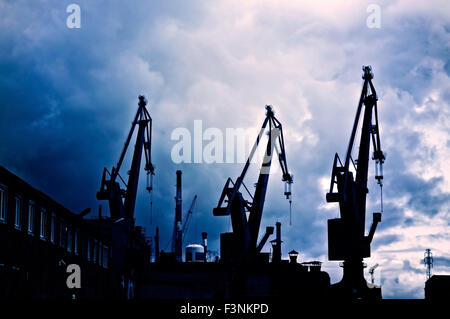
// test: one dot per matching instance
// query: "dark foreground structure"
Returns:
(40, 238)
(437, 289)
(223, 281)
(346, 235)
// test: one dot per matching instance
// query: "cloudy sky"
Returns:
(67, 98)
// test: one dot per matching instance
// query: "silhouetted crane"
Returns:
(126, 246)
(245, 231)
(372, 272)
(188, 216)
(346, 235)
(123, 201)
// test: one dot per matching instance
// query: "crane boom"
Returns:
(188, 215)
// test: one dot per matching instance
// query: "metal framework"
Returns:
(428, 261)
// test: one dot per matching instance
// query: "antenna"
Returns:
(428, 261)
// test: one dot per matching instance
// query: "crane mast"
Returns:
(246, 230)
(346, 235)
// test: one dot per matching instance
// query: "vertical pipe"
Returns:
(177, 240)
(278, 225)
(205, 244)
(157, 245)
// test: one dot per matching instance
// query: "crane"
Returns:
(187, 218)
(346, 235)
(232, 203)
(122, 201)
(372, 271)
(125, 241)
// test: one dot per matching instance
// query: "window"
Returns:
(130, 292)
(69, 239)
(43, 223)
(105, 256)
(62, 234)
(52, 228)
(94, 259)
(31, 213)
(89, 249)
(18, 213)
(3, 200)
(75, 241)
(100, 251)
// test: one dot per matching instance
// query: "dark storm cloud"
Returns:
(60, 123)
(64, 114)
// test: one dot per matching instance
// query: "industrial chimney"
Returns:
(177, 230)
(276, 244)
